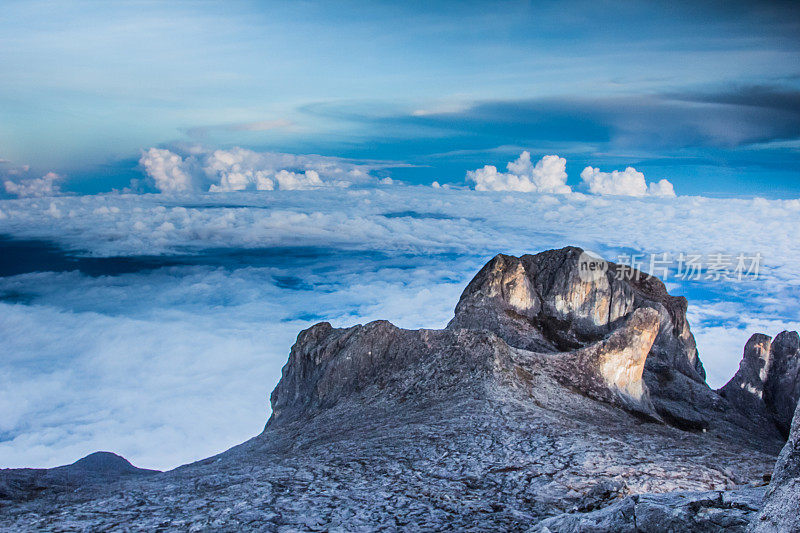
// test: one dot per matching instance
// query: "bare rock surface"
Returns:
(706, 511)
(767, 385)
(542, 303)
(96, 468)
(781, 510)
(548, 403)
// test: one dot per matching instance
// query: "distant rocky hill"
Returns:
(97, 468)
(559, 398)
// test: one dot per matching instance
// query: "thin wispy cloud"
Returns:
(201, 132)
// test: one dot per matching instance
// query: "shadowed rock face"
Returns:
(767, 385)
(781, 510)
(782, 388)
(328, 366)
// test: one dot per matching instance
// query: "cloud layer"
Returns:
(24, 186)
(238, 169)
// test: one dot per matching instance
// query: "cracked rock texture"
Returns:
(549, 403)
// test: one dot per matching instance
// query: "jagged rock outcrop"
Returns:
(328, 365)
(767, 385)
(552, 401)
(782, 388)
(781, 511)
(543, 303)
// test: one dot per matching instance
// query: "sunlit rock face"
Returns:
(767, 384)
(542, 302)
(545, 303)
(611, 369)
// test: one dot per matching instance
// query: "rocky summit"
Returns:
(557, 399)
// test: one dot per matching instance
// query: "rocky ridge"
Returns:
(550, 402)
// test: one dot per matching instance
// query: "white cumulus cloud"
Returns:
(629, 182)
(661, 188)
(168, 170)
(548, 175)
(47, 185)
(238, 169)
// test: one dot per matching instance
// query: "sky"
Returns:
(184, 186)
(704, 94)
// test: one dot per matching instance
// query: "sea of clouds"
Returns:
(156, 325)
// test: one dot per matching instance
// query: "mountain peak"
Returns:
(557, 399)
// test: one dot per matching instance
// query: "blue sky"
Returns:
(704, 94)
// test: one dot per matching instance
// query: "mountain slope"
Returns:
(549, 397)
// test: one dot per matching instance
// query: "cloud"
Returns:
(26, 187)
(174, 365)
(629, 182)
(762, 96)
(661, 188)
(671, 121)
(197, 169)
(548, 175)
(168, 170)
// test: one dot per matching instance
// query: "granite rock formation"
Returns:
(549, 403)
(767, 385)
(541, 303)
